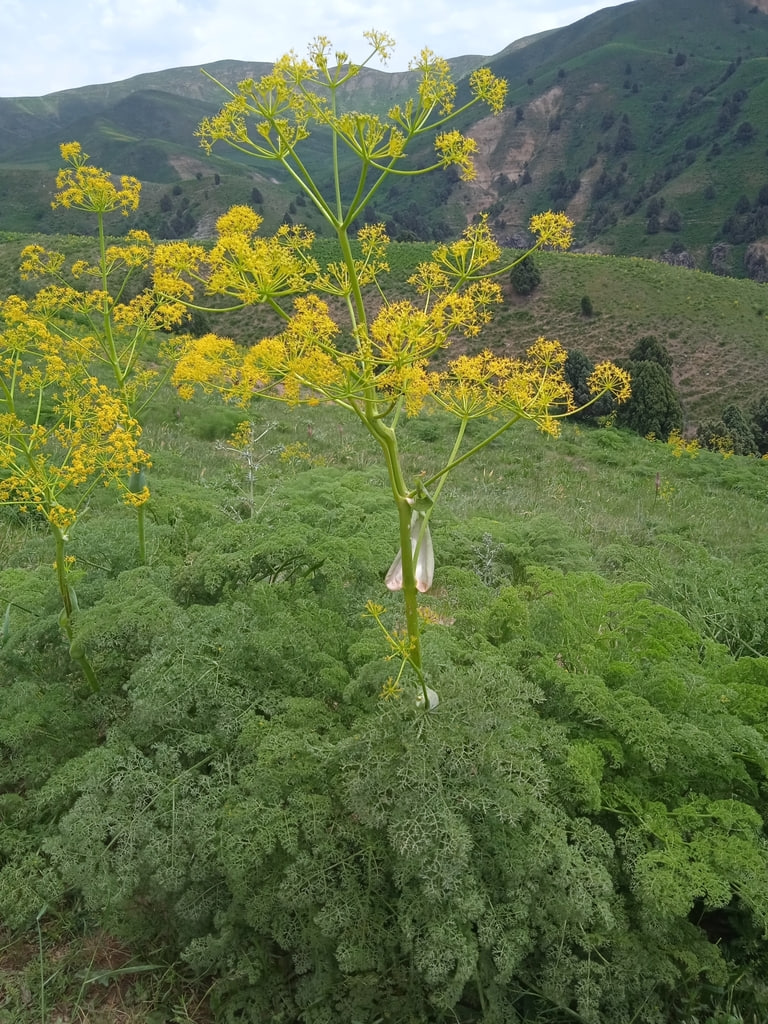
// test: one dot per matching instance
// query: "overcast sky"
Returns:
(48, 45)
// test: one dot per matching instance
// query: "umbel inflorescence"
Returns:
(376, 360)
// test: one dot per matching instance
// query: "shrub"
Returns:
(713, 434)
(732, 434)
(745, 133)
(674, 221)
(650, 349)
(739, 430)
(654, 407)
(525, 276)
(759, 420)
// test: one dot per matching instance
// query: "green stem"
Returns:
(136, 484)
(387, 439)
(109, 338)
(472, 451)
(87, 670)
(452, 461)
(61, 578)
(142, 541)
(410, 592)
(69, 605)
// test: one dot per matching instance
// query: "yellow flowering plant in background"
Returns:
(97, 321)
(376, 360)
(62, 434)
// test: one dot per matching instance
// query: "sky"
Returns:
(50, 45)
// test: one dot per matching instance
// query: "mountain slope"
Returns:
(657, 99)
(644, 121)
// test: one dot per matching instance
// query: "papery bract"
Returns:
(425, 560)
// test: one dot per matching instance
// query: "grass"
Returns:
(599, 500)
(89, 978)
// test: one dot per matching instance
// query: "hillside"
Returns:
(715, 328)
(644, 121)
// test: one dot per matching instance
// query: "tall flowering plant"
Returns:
(99, 324)
(62, 433)
(375, 361)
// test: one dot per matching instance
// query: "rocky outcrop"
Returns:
(678, 259)
(720, 259)
(756, 261)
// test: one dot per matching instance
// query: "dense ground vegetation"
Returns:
(576, 833)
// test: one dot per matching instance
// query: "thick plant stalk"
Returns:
(410, 593)
(387, 438)
(136, 485)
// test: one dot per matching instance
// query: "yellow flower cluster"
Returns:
(390, 362)
(606, 378)
(60, 517)
(367, 135)
(37, 261)
(723, 445)
(298, 93)
(86, 437)
(436, 86)
(135, 499)
(473, 386)
(209, 361)
(457, 150)
(487, 87)
(90, 188)
(115, 329)
(552, 229)
(533, 388)
(469, 311)
(134, 253)
(681, 447)
(296, 452)
(302, 358)
(146, 313)
(466, 259)
(242, 436)
(403, 334)
(242, 265)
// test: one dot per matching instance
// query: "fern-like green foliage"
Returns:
(575, 833)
